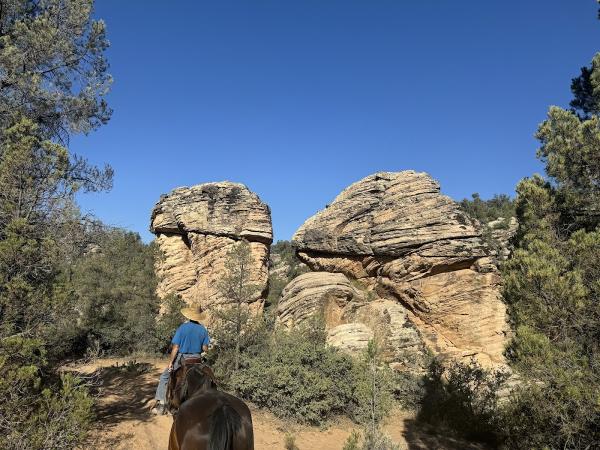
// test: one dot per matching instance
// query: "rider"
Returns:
(190, 340)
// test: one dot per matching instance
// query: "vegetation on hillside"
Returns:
(40, 107)
(285, 266)
(293, 373)
(499, 206)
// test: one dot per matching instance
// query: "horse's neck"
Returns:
(205, 386)
(196, 387)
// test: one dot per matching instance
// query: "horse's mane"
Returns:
(196, 380)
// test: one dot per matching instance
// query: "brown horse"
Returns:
(204, 417)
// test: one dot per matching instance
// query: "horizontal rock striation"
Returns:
(316, 293)
(196, 227)
(218, 209)
(408, 243)
(352, 316)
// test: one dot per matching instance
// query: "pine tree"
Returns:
(52, 66)
(237, 289)
(551, 282)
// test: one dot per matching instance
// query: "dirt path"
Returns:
(126, 390)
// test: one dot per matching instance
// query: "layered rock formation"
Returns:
(196, 227)
(414, 247)
(316, 293)
(352, 317)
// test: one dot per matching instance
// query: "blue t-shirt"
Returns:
(191, 337)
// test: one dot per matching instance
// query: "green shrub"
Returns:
(372, 440)
(287, 254)
(297, 376)
(488, 210)
(408, 389)
(378, 440)
(463, 398)
(353, 441)
(38, 409)
(290, 442)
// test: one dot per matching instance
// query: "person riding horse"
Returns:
(190, 340)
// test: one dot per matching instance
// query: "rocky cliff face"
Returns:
(421, 258)
(196, 227)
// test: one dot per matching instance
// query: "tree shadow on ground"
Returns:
(125, 392)
(420, 436)
(112, 442)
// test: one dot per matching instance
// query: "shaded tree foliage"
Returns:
(115, 290)
(38, 183)
(586, 98)
(296, 376)
(52, 82)
(463, 397)
(39, 411)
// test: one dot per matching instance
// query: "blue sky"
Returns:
(298, 99)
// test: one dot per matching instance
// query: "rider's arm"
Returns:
(174, 351)
(205, 342)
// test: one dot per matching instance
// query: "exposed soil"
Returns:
(125, 393)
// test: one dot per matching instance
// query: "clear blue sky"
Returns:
(298, 99)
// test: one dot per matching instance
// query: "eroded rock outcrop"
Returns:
(352, 316)
(314, 293)
(411, 245)
(196, 227)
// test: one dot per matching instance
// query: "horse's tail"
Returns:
(226, 423)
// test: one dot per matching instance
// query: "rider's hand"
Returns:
(170, 367)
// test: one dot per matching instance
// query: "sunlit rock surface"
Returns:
(196, 227)
(409, 244)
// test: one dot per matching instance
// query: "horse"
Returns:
(205, 418)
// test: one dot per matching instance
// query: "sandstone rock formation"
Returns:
(316, 293)
(411, 245)
(196, 227)
(352, 317)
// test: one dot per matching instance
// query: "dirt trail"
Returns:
(126, 390)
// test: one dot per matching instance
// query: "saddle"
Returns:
(188, 362)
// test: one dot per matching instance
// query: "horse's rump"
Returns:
(225, 425)
(207, 419)
(214, 421)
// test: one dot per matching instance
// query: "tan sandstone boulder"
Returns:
(404, 240)
(196, 227)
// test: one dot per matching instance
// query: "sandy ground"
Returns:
(125, 392)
